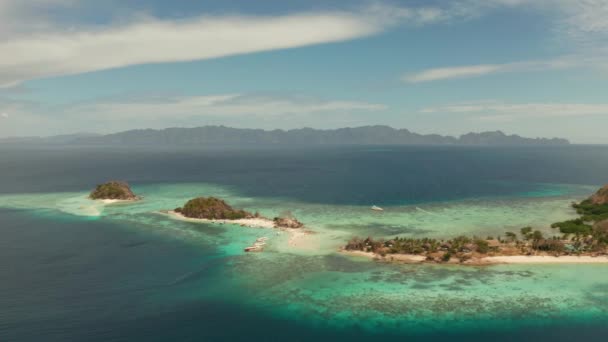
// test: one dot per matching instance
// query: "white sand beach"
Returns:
(545, 259)
(490, 260)
(259, 222)
(298, 239)
(405, 258)
(113, 201)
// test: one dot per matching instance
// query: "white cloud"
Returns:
(468, 71)
(156, 41)
(43, 47)
(500, 111)
(55, 50)
(28, 15)
(583, 23)
(34, 45)
(576, 19)
(453, 72)
(4, 115)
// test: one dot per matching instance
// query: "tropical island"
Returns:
(215, 210)
(211, 208)
(584, 239)
(113, 191)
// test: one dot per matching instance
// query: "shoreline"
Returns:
(545, 259)
(485, 261)
(259, 222)
(114, 201)
(298, 237)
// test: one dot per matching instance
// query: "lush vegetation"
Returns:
(460, 247)
(113, 190)
(586, 234)
(592, 212)
(211, 208)
(576, 227)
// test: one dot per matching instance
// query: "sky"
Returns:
(537, 68)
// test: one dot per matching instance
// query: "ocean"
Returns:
(75, 270)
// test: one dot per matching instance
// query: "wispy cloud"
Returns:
(157, 41)
(436, 74)
(583, 23)
(581, 20)
(469, 71)
(34, 45)
(27, 16)
(55, 50)
(501, 111)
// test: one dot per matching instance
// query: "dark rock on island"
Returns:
(113, 190)
(211, 208)
(287, 222)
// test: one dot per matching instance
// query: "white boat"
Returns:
(377, 208)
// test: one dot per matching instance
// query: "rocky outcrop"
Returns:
(600, 197)
(211, 208)
(287, 222)
(113, 190)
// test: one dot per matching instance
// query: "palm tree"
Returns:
(525, 231)
(511, 236)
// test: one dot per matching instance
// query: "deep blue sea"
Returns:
(129, 274)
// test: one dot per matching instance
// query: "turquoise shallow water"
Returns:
(75, 269)
(333, 224)
(328, 289)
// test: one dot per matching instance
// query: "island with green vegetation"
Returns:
(113, 191)
(583, 238)
(217, 210)
(212, 208)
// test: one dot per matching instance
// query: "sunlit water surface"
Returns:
(75, 269)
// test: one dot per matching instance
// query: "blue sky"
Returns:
(530, 67)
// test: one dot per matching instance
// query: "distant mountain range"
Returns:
(218, 136)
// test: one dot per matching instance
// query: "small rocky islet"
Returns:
(113, 190)
(212, 208)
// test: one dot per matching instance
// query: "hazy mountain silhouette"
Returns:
(209, 136)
